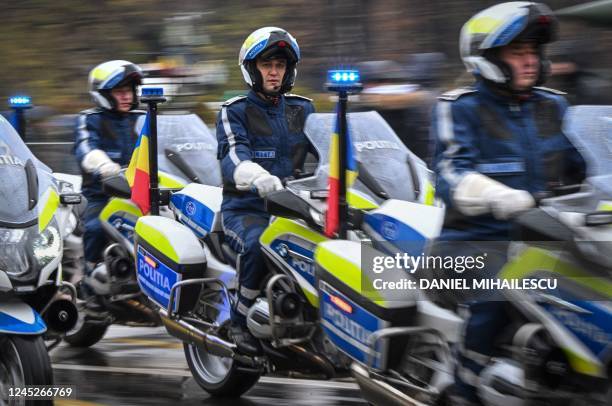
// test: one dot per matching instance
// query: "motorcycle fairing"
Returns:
(17, 317)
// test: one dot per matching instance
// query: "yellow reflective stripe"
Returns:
(582, 365)
(167, 180)
(537, 260)
(604, 206)
(347, 272)
(116, 205)
(311, 297)
(48, 204)
(100, 73)
(430, 194)
(282, 226)
(358, 201)
(158, 240)
(483, 25)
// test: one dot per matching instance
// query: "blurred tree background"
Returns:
(48, 48)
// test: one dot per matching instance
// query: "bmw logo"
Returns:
(283, 250)
(190, 208)
(389, 230)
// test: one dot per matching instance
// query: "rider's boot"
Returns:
(246, 343)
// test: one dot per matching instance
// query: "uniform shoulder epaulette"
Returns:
(297, 96)
(549, 90)
(92, 110)
(233, 100)
(454, 94)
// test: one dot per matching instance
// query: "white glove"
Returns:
(97, 162)
(248, 176)
(267, 183)
(478, 194)
(108, 169)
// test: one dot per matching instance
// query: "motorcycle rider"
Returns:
(104, 141)
(260, 141)
(499, 143)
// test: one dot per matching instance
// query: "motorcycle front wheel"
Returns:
(24, 361)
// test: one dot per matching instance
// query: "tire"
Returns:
(24, 361)
(216, 375)
(85, 334)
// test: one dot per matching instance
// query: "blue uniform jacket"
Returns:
(113, 133)
(519, 144)
(250, 128)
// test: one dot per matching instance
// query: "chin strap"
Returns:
(272, 98)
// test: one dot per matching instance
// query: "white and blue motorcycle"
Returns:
(35, 303)
(558, 348)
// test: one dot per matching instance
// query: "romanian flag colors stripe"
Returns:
(138, 171)
(332, 217)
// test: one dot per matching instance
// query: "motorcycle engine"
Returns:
(258, 319)
(501, 383)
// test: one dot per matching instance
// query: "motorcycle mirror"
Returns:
(286, 204)
(320, 194)
(117, 186)
(70, 198)
(598, 218)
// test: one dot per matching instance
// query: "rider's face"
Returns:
(124, 97)
(524, 60)
(272, 72)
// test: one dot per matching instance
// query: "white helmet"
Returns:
(109, 75)
(268, 43)
(498, 26)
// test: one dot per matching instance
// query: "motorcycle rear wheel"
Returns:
(218, 376)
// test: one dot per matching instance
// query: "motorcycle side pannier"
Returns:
(167, 252)
(351, 313)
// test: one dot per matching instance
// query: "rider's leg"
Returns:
(94, 242)
(242, 232)
(484, 321)
(94, 238)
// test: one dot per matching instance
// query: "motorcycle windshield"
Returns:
(186, 148)
(589, 128)
(379, 152)
(19, 191)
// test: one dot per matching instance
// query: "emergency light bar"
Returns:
(152, 95)
(348, 80)
(152, 91)
(20, 102)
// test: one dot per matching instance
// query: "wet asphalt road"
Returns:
(144, 366)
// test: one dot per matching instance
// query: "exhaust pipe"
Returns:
(378, 392)
(61, 316)
(188, 333)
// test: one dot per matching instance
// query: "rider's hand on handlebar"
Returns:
(267, 183)
(507, 203)
(108, 169)
(249, 175)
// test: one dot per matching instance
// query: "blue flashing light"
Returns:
(152, 91)
(343, 80)
(20, 102)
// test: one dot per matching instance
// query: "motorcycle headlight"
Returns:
(14, 258)
(47, 245)
(24, 252)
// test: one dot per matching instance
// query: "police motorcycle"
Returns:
(36, 304)
(187, 270)
(186, 154)
(558, 349)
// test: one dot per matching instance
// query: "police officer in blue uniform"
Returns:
(261, 141)
(104, 141)
(499, 143)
